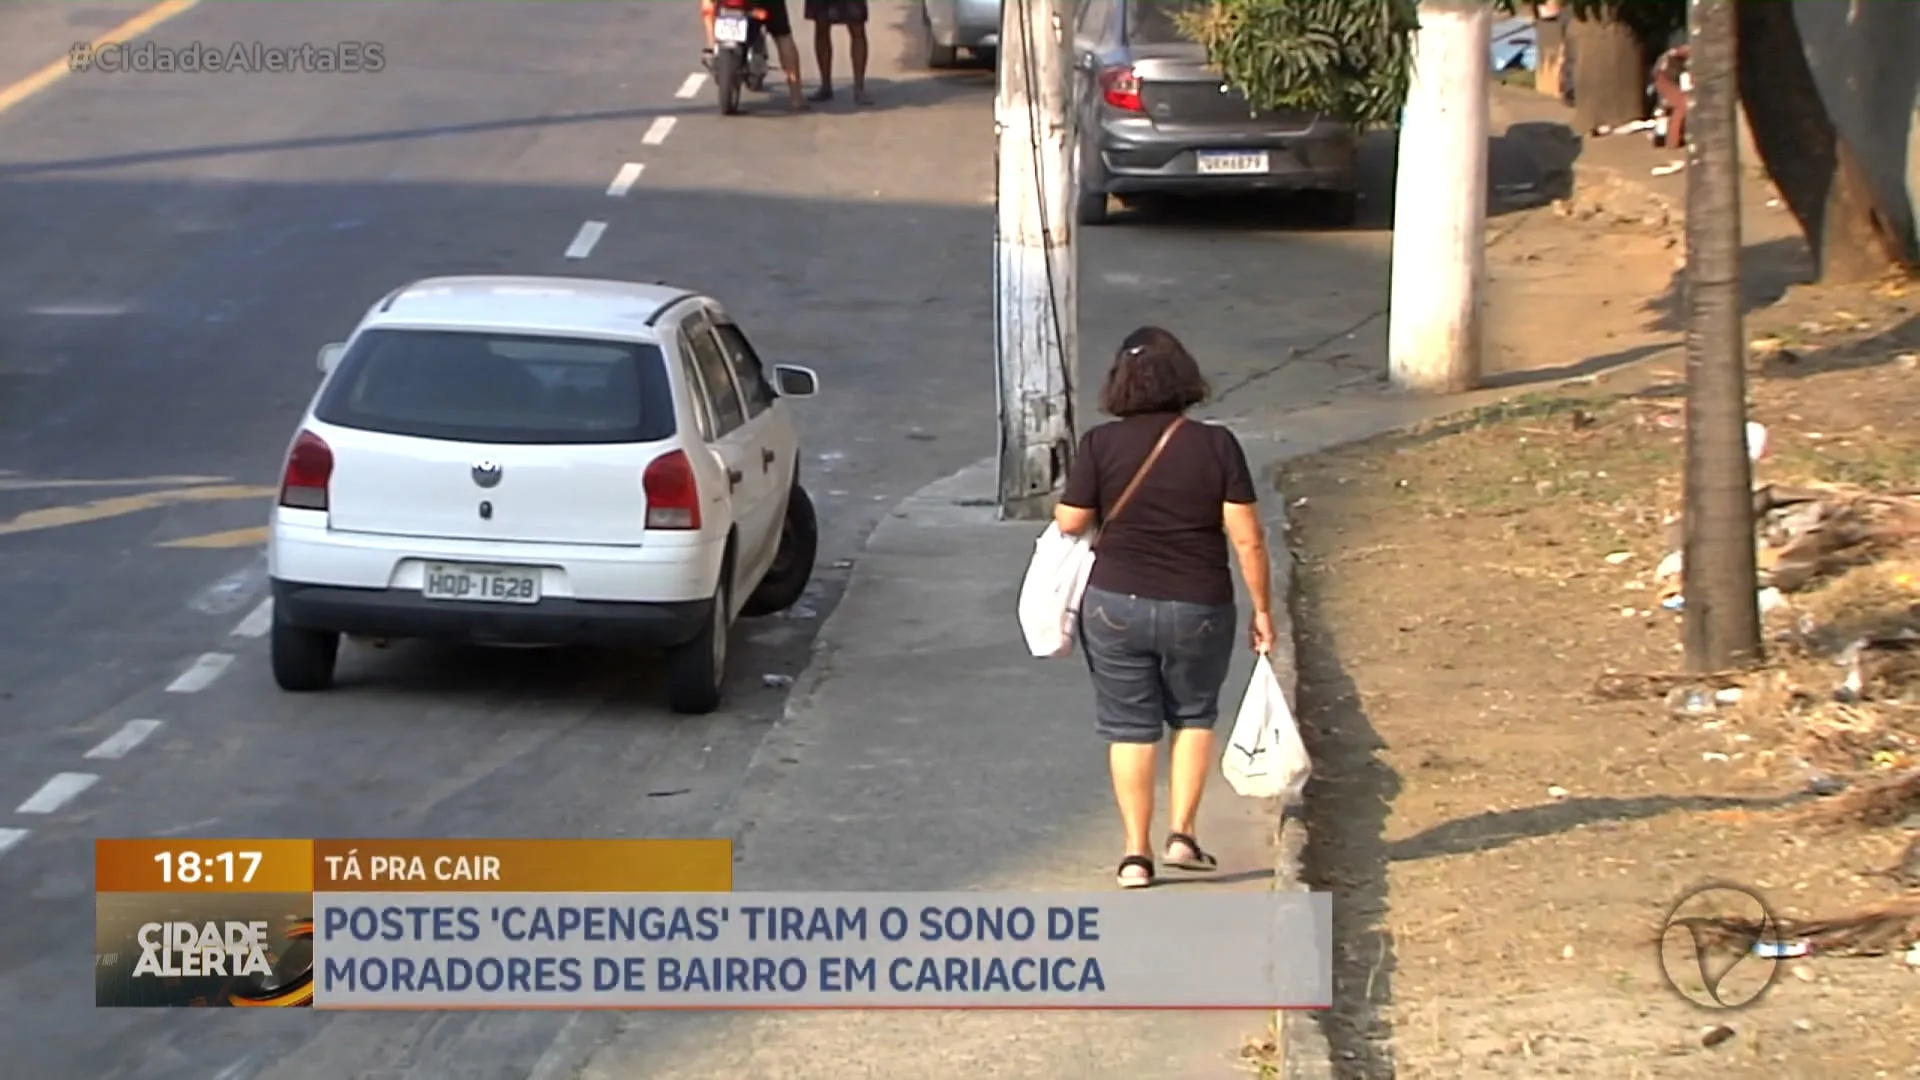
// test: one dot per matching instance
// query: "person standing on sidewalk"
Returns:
(825, 15)
(1163, 497)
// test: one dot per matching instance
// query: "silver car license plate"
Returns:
(488, 584)
(1232, 162)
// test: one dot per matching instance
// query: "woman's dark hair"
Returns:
(1153, 373)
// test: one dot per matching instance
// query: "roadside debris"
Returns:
(1873, 931)
(776, 682)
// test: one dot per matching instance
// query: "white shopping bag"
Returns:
(1050, 595)
(1265, 758)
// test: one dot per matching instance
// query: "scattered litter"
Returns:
(1913, 954)
(1771, 600)
(1566, 952)
(1716, 1035)
(1555, 791)
(1691, 701)
(1773, 204)
(1668, 169)
(1728, 696)
(1618, 557)
(1713, 755)
(669, 793)
(1823, 785)
(1781, 950)
(842, 564)
(776, 681)
(1676, 602)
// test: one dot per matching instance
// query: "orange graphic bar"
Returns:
(522, 866)
(203, 866)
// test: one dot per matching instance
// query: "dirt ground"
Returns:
(1505, 831)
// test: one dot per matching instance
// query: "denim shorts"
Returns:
(1156, 664)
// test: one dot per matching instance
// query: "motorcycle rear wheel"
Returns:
(726, 79)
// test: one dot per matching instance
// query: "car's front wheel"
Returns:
(697, 668)
(792, 567)
(303, 660)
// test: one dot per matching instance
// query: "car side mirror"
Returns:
(330, 355)
(794, 381)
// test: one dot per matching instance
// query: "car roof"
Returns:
(549, 305)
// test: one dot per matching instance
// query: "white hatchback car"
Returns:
(541, 460)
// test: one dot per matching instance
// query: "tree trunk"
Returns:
(1609, 73)
(1719, 580)
(1549, 49)
(1823, 182)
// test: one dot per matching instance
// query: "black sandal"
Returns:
(1197, 860)
(1135, 862)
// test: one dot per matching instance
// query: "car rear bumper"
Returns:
(976, 24)
(402, 613)
(1139, 158)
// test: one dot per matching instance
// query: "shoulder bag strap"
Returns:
(1139, 474)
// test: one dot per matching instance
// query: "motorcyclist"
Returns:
(776, 24)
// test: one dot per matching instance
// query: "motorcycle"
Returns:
(740, 52)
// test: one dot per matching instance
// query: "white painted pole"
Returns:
(1036, 349)
(1440, 204)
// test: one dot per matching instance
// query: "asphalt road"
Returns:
(173, 250)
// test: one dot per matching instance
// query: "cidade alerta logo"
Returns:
(1721, 946)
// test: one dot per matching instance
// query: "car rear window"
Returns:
(500, 388)
(1151, 22)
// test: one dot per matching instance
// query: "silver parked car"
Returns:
(1153, 117)
(953, 25)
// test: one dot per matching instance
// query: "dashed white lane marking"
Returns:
(692, 85)
(120, 743)
(624, 180)
(57, 792)
(9, 838)
(201, 675)
(584, 240)
(658, 131)
(258, 621)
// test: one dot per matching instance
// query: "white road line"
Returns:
(692, 85)
(658, 131)
(120, 743)
(258, 621)
(583, 241)
(624, 180)
(57, 792)
(9, 838)
(201, 675)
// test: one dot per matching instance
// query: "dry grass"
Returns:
(1503, 842)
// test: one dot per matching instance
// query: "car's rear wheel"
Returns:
(938, 55)
(1339, 209)
(303, 660)
(792, 567)
(696, 669)
(1090, 197)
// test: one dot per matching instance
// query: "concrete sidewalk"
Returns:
(924, 749)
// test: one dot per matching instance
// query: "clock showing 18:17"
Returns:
(217, 868)
(202, 865)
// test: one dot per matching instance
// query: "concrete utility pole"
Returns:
(1440, 203)
(1036, 307)
(1718, 575)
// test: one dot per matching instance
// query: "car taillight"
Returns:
(1121, 88)
(309, 469)
(673, 494)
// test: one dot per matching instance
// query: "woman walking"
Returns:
(1166, 495)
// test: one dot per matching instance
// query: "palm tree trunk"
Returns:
(1609, 72)
(1823, 182)
(1722, 615)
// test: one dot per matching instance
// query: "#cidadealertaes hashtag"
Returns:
(240, 57)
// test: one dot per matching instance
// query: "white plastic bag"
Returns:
(1050, 595)
(1265, 758)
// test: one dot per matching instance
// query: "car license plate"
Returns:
(491, 584)
(730, 27)
(1232, 162)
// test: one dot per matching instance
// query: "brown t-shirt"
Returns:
(1169, 542)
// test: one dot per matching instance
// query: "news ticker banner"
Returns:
(652, 924)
